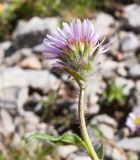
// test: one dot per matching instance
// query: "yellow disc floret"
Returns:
(137, 120)
(1, 7)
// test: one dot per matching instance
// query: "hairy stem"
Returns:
(83, 128)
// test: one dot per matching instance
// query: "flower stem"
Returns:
(83, 128)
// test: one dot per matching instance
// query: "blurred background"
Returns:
(35, 98)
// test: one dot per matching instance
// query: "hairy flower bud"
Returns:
(75, 47)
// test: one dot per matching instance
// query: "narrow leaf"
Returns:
(72, 72)
(100, 152)
(65, 139)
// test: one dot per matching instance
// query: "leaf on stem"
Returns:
(100, 152)
(65, 139)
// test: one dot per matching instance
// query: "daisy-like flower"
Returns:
(75, 46)
(3, 6)
(133, 121)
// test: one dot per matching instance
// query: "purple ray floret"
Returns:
(74, 32)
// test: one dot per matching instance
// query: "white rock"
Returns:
(138, 86)
(31, 62)
(103, 118)
(1, 55)
(5, 45)
(16, 140)
(18, 77)
(122, 81)
(94, 109)
(114, 152)
(42, 127)
(82, 158)
(118, 155)
(94, 85)
(107, 131)
(134, 71)
(38, 48)
(121, 69)
(106, 22)
(132, 144)
(17, 56)
(105, 124)
(110, 65)
(131, 13)
(13, 98)
(129, 41)
(31, 118)
(36, 24)
(76, 157)
(30, 33)
(31, 122)
(6, 123)
(115, 42)
(64, 151)
(108, 68)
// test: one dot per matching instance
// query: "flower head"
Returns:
(3, 6)
(75, 47)
(133, 121)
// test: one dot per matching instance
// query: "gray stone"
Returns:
(121, 70)
(13, 98)
(137, 94)
(65, 151)
(17, 56)
(115, 42)
(105, 124)
(82, 158)
(1, 55)
(130, 61)
(106, 22)
(38, 48)
(132, 144)
(129, 41)
(19, 124)
(131, 13)
(6, 123)
(5, 45)
(108, 68)
(31, 122)
(42, 127)
(104, 119)
(8, 48)
(129, 84)
(17, 140)
(18, 77)
(138, 86)
(107, 131)
(32, 32)
(31, 62)
(78, 157)
(114, 152)
(95, 85)
(134, 71)
(94, 109)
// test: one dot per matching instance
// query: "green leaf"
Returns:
(98, 133)
(65, 139)
(100, 152)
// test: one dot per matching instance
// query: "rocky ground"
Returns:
(35, 98)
